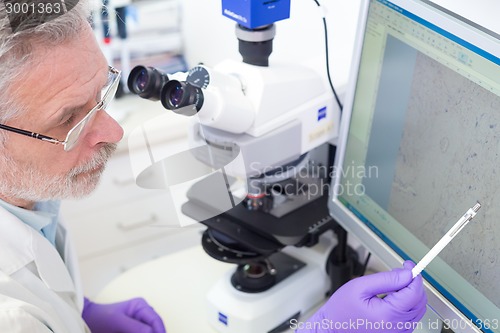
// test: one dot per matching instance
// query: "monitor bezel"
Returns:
(460, 27)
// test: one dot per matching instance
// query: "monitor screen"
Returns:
(419, 146)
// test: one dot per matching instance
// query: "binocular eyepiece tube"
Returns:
(181, 97)
(147, 82)
(153, 84)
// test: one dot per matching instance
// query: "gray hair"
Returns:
(19, 35)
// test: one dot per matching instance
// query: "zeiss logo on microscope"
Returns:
(322, 113)
(223, 318)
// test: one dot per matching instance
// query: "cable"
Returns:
(328, 61)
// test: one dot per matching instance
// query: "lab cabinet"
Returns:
(121, 225)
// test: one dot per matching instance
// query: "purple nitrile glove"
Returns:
(132, 316)
(355, 307)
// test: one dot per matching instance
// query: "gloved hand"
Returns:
(132, 316)
(355, 307)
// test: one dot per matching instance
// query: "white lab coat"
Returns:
(37, 291)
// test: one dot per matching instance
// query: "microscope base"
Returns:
(230, 310)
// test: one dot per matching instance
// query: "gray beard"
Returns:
(29, 183)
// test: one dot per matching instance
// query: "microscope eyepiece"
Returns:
(182, 97)
(141, 80)
(147, 82)
(176, 94)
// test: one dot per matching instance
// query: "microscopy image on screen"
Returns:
(448, 158)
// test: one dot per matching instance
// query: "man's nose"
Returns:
(104, 129)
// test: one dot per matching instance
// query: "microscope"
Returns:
(264, 130)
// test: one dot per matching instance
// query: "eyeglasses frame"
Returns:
(99, 106)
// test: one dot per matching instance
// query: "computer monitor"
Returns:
(419, 145)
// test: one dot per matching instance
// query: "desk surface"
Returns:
(175, 285)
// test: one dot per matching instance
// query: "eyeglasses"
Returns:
(107, 93)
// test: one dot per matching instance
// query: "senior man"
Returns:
(55, 139)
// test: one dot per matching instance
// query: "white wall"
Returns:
(209, 37)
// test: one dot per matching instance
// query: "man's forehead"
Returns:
(72, 70)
